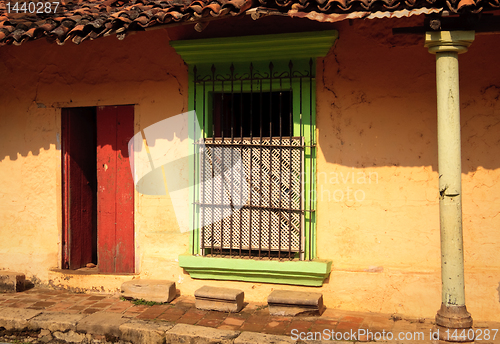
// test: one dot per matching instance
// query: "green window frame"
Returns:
(276, 55)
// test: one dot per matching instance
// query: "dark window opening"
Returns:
(266, 114)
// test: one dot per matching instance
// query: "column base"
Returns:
(454, 325)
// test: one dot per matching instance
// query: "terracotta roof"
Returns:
(90, 19)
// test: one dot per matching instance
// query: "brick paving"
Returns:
(254, 317)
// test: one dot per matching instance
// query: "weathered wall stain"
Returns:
(376, 113)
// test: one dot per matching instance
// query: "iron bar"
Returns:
(248, 206)
(242, 171)
(251, 160)
(222, 124)
(194, 172)
(212, 164)
(302, 186)
(260, 170)
(232, 162)
(253, 144)
(290, 66)
(270, 153)
(203, 156)
(281, 165)
(311, 140)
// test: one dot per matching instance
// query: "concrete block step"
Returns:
(293, 303)
(11, 282)
(219, 299)
(149, 290)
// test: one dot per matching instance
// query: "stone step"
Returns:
(149, 290)
(219, 299)
(11, 282)
(293, 303)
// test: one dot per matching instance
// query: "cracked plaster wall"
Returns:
(376, 106)
(376, 118)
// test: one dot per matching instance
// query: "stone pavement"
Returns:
(254, 318)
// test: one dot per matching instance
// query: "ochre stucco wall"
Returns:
(375, 116)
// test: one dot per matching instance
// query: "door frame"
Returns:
(65, 188)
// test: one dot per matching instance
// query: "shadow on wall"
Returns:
(26, 128)
(39, 78)
(376, 103)
(380, 133)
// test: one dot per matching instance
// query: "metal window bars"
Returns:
(254, 168)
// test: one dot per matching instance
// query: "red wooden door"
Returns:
(79, 185)
(115, 192)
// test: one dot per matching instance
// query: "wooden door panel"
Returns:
(115, 194)
(124, 192)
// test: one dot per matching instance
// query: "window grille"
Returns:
(254, 167)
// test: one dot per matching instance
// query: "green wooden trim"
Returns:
(256, 48)
(194, 244)
(304, 103)
(218, 53)
(306, 273)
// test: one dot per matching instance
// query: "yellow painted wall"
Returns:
(376, 117)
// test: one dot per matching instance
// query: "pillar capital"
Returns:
(448, 41)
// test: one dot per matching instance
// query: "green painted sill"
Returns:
(307, 273)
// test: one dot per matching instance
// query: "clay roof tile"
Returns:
(79, 20)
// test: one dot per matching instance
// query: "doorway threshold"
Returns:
(88, 280)
(91, 271)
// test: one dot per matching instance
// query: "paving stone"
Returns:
(261, 338)
(91, 310)
(171, 315)
(219, 299)
(42, 305)
(149, 290)
(144, 332)
(102, 323)
(16, 318)
(300, 326)
(292, 303)
(43, 333)
(45, 339)
(192, 316)
(11, 282)
(252, 327)
(153, 312)
(209, 322)
(70, 337)
(276, 327)
(191, 334)
(233, 321)
(53, 321)
(97, 297)
(60, 306)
